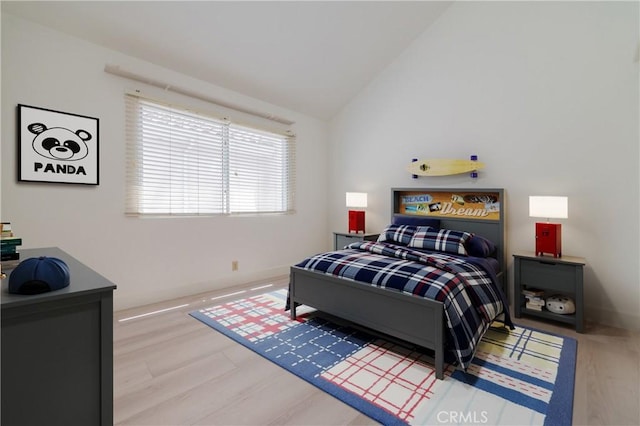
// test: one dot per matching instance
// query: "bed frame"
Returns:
(406, 317)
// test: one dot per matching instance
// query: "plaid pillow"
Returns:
(399, 234)
(444, 240)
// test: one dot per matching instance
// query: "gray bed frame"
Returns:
(410, 318)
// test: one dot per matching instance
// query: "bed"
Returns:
(427, 318)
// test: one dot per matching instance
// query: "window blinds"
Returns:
(183, 163)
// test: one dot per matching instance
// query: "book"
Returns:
(5, 229)
(9, 256)
(533, 292)
(8, 265)
(8, 249)
(10, 241)
(534, 307)
(535, 301)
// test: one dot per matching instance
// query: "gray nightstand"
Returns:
(341, 239)
(563, 275)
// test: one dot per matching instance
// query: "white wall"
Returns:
(546, 93)
(148, 259)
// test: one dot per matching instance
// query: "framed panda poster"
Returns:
(56, 146)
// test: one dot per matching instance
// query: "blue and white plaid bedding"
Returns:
(470, 294)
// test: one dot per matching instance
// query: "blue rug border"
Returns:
(563, 394)
(561, 398)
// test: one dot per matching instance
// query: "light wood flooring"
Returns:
(170, 369)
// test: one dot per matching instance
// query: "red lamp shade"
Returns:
(356, 217)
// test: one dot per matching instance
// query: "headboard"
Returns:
(480, 211)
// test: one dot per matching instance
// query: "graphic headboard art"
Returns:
(479, 211)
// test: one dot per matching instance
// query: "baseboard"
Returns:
(134, 300)
(613, 318)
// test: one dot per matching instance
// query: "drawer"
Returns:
(548, 275)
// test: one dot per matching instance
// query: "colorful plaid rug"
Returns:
(520, 376)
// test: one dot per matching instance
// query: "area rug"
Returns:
(520, 376)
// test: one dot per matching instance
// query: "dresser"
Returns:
(57, 350)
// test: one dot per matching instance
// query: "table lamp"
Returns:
(548, 235)
(356, 217)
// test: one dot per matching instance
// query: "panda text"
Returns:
(66, 169)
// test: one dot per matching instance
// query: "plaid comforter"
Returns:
(471, 297)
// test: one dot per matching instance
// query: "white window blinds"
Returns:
(183, 163)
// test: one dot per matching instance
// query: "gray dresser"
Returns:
(57, 350)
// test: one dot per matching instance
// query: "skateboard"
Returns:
(443, 167)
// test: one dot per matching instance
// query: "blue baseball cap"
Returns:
(39, 275)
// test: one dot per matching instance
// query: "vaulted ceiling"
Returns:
(307, 56)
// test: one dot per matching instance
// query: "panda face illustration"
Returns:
(59, 143)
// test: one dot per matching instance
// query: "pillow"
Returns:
(399, 234)
(480, 247)
(444, 240)
(399, 219)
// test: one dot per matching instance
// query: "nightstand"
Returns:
(561, 276)
(341, 239)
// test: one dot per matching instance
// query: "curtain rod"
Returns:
(116, 70)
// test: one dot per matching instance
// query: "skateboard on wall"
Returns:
(444, 167)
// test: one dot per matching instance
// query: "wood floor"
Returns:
(170, 369)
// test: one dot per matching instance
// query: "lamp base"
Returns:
(356, 221)
(549, 239)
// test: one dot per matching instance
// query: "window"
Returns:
(184, 163)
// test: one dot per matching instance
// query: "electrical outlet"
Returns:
(234, 265)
